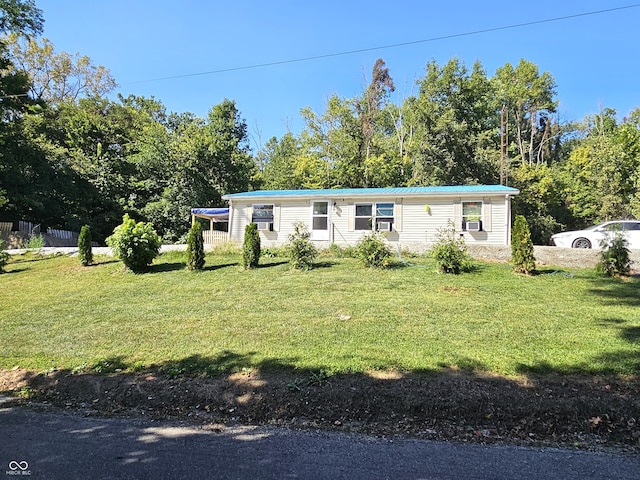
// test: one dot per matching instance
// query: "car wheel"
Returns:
(581, 243)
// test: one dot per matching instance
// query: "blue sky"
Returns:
(593, 58)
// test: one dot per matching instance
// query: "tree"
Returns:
(195, 248)
(58, 77)
(529, 98)
(280, 163)
(20, 16)
(541, 200)
(453, 139)
(4, 256)
(251, 247)
(372, 103)
(602, 173)
(522, 247)
(85, 252)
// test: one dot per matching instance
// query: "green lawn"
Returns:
(57, 314)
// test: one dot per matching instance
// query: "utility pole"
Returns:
(504, 145)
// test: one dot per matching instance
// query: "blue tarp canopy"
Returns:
(212, 214)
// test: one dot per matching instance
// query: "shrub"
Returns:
(373, 251)
(450, 251)
(136, 244)
(195, 247)
(522, 247)
(251, 247)
(35, 241)
(4, 256)
(614, 257)
(85, 253)
(302, 252)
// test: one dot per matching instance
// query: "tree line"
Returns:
(70, 156)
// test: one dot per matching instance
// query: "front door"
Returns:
(320, 221)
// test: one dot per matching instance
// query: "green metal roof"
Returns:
(378, 192)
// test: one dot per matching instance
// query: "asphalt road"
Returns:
(67, 446)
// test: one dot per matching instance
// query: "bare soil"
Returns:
(590, 413)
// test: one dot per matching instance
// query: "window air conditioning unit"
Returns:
(266, 226)
(474, 226)
(384, 226)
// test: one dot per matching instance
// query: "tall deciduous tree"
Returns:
(58, 77)
(602, 173)
(529, 97)
(454, 140)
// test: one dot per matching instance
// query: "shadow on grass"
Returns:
(166, 267)
(273, 264)
(324, 264)
(13, 270)
(617, 291)
(211, 268)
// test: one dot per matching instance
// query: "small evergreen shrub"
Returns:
(251, 247)
(373, 251)
(4, 256)
(85, 252)
(195, 248)
(522, 247)
(614, 257)
(302, 252)
(450, 251)
(136, 244)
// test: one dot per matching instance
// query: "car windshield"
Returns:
(610, 226)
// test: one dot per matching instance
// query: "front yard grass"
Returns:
(336, 318)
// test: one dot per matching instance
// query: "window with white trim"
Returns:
(376, 216)
(471, 216)
(262, 213)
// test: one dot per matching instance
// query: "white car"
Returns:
(591, 237)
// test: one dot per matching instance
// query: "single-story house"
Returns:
(410, 217)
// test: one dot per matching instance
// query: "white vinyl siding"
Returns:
(416, 220)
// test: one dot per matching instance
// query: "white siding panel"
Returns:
(416, 227)
(487, 215)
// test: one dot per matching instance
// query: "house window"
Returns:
(472, 216)
(384, 216)
(364, 213)
(262, 213)
(369, 215)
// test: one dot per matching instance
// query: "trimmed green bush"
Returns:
(4, 256)
(522, 247)
(450, 251)
(373, 250)
(251, 247)
(614, 257)
(195, 248)
(136, 244)
(302, 252)
(85, 252)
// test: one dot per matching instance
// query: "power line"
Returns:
(382, 47)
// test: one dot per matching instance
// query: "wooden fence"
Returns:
(211, 237)
(63, 234)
